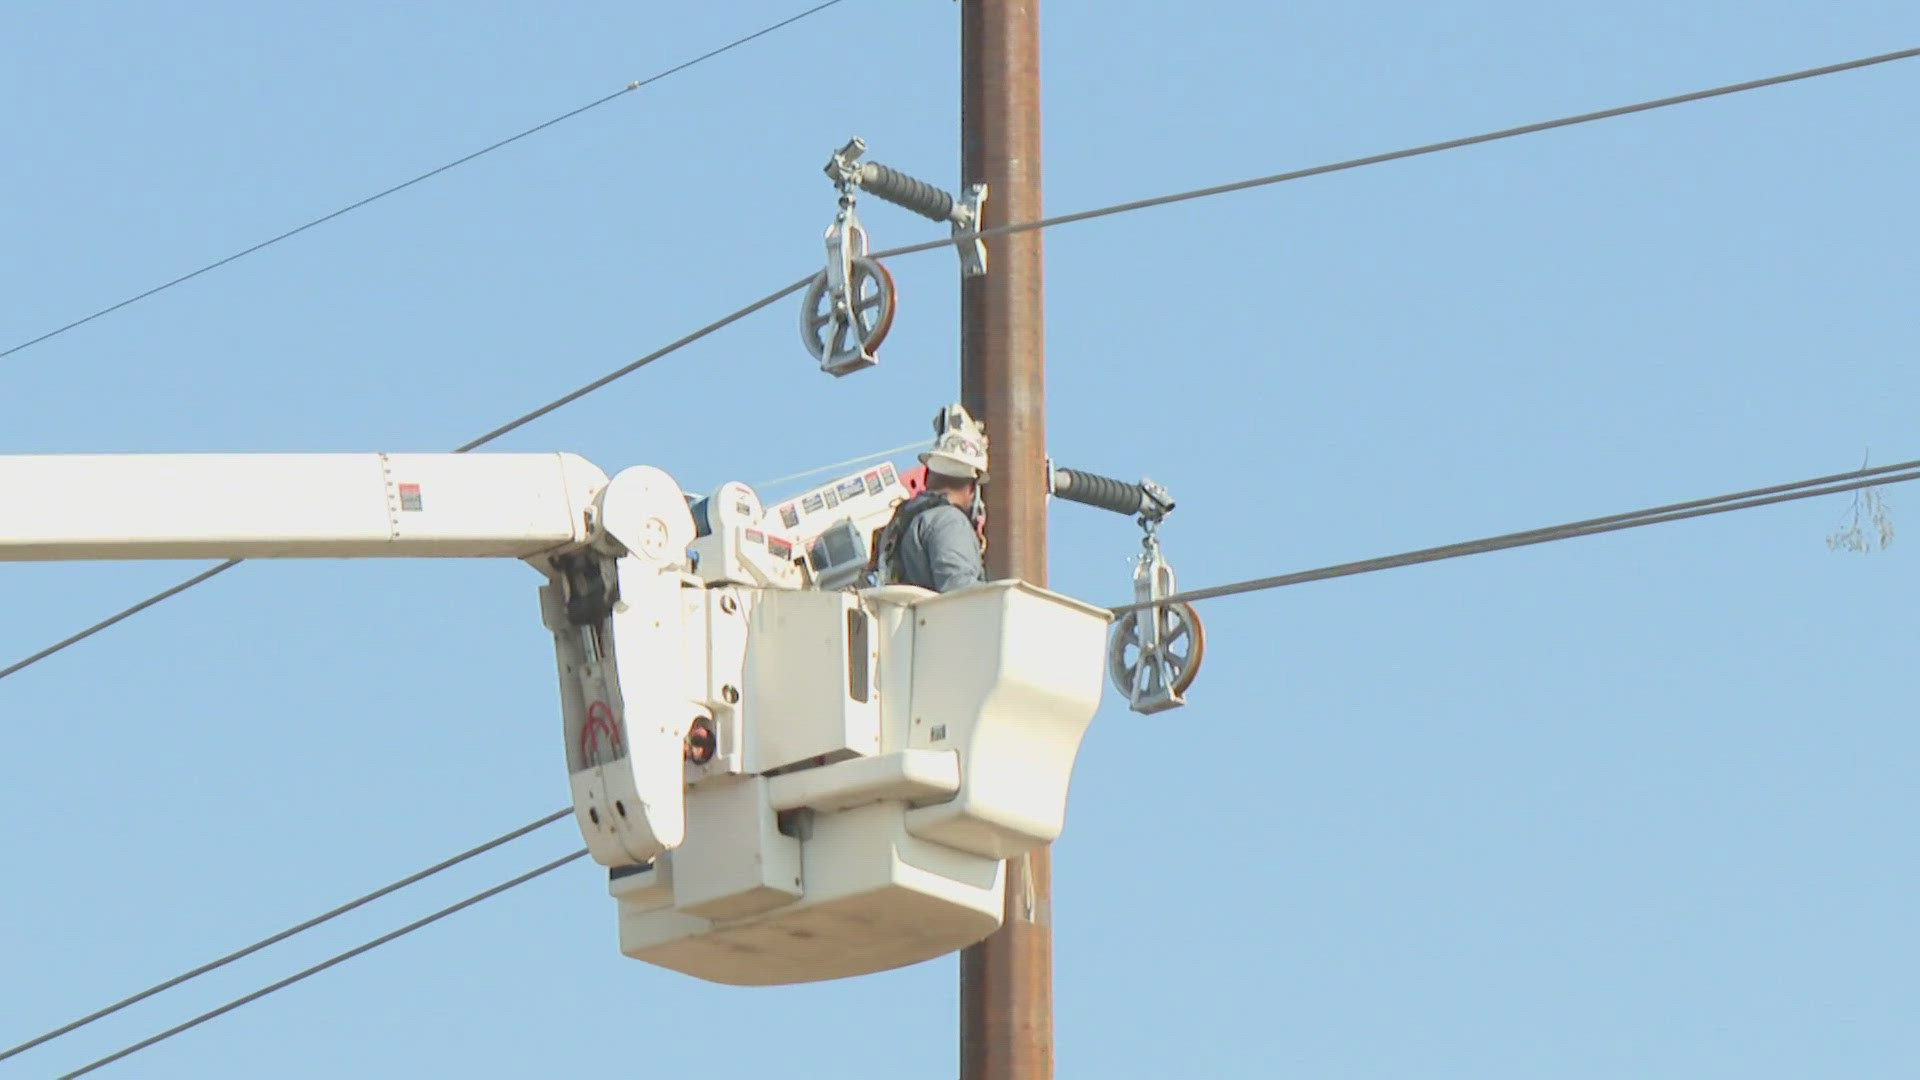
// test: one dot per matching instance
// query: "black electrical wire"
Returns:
(472, 444)
(622, 372)
(325, 964)
(287, 933)
(136, 609)
(1718, 504)
(431, 173)
(1042, 223)
(1399, 155)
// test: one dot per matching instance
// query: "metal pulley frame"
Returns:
(1154, 650)
(849, 305)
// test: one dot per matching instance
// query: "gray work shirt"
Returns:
(938, 550)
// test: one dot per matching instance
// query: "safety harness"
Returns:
(888, 549)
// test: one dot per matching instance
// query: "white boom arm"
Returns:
(252, 506)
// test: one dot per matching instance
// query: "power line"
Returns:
(288, 932)
(429, 174)
(136, 609)
(847, 464)
(472, 444)
(620, 373)
(1042, 223)
(325, 964)
(1397, 155)
(1633, 519)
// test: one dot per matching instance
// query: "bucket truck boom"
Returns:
(786, 784)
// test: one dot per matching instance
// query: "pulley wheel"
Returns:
(834, 337)
(1169, 669)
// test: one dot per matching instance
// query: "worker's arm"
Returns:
(953, 551)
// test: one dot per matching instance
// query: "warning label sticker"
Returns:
(409, 497)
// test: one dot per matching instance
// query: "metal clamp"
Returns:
(966, 222)
(849, 305)
(1155, 651)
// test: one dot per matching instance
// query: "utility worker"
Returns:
(931, 541)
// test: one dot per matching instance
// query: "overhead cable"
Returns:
(135, 609)
(1633, 519)
(622, 372)
(324, 964)
(847, 464)
(1042, 223)
(287, 933)
(377, 196)
(472, 444)
(1396, 155)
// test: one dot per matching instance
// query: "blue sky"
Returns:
(1633, 805)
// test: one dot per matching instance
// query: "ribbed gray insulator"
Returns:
(1104, 492)
(902, 190)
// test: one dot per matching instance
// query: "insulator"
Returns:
(1104, 492)
(902, 190)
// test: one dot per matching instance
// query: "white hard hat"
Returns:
(960, 454)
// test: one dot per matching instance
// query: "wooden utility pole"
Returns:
(1006, 981)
